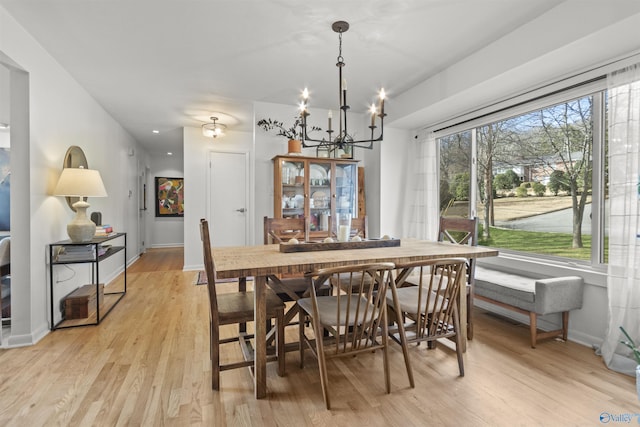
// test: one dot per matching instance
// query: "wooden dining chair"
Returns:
(463, 231)
(289, 287)
(355, 319)
(360, 227)
(428, 310)
(236, 308)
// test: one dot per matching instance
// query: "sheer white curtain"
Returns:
(623, 283)
(421, 215)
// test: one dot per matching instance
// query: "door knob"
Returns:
(241, 210)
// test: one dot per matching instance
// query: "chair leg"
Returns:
(280, 350)
(457, 326)
(470, 315)
(302, 320)
(322, 363)
(215, 358)
(385, 348)
(565, 324)
(399, 316)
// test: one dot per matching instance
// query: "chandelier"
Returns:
(343, 140)
(213, 129)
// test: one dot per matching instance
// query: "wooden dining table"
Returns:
(262, 261)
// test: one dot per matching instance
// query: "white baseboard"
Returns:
(167, 245)
(14, 341)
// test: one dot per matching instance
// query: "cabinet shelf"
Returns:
(100, 306)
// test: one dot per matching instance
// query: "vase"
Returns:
(295, 147)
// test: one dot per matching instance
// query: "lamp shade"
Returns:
(80, 182)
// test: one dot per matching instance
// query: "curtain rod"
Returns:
(605, 69)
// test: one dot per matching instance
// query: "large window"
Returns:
(540, 181)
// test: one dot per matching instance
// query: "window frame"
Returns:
(595, 88)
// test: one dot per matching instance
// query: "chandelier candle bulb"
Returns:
(344, 93)
(373, 115)
(329, 117)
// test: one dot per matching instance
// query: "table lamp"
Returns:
(82, 183)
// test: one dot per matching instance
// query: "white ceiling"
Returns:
(166, 64)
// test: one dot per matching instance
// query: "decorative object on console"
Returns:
(81, 183)
(213, 129)
(344, 141)
(96, 217)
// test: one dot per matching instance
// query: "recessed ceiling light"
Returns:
(169, 153)
(155, 131)
(4, 126)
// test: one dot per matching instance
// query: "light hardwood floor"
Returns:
(148, 364)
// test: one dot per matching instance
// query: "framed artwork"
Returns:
(169, 196)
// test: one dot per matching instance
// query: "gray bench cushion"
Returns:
(518, 291)
(541, 296)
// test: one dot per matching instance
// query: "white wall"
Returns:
(393, 179)
(167, 231)
(576, 37)
(58, 113)
(196, 150)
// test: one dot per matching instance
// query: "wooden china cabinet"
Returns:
(314, 187)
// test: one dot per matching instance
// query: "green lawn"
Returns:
(555, 244)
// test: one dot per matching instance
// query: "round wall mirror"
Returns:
(74, 158)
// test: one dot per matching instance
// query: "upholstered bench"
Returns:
(531, 296)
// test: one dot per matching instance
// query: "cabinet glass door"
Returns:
(292, 189)
(346, 198)
(319, 196)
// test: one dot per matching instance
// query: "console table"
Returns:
(66, 252)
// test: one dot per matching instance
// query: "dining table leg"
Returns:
(462, 312)
(260, 347)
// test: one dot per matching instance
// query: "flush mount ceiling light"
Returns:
(343, 139)
(213, 129)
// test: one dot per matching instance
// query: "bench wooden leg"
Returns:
(565, 324)
(533, 326)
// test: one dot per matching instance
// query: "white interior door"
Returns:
(228, 198)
